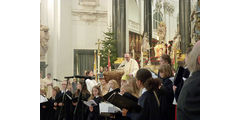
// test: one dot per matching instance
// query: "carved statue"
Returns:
(175, 46)
(44, 37)
(159, 50)
(162, 32)
(145, 44)
(195, 23)
(177, 42)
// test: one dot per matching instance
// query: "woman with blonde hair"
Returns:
(127, 91)
(112, 85)
(53, 113)
(104, 86)
(133, 85)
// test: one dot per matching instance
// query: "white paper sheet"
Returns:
(90, 103)
(105, 107)
(43, 99)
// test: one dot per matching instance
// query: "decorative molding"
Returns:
(134, 26)
(89, 15)
(91, 3)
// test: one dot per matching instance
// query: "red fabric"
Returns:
(176, 112)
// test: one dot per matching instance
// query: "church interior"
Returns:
(109, 44)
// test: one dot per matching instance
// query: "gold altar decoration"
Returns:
(119, 60)
(159, 50)
(98, 63)
(154, 68)
(181, 57)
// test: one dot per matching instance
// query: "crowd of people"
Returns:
(174, 95)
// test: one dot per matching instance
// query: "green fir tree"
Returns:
(109, 43)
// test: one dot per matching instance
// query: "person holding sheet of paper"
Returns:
(94, 108)
(81, 94)
(65, 106)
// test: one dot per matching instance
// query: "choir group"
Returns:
(172, 95)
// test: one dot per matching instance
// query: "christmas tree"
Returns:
(109, 43)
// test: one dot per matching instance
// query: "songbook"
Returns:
(90, 103)
(105, 107)
(105, 97)
(123, 102)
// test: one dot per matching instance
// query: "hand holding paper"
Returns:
(90, 103)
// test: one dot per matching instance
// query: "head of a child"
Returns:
(113, 84)
(141, 77)
(96, 91)
(79, 86)
(165, 71)
(126, 88)
(152, 84)
(103, 81)
(55, 90)
(165, 59)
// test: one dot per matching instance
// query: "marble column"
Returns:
(185, 24)
(148, 20)
(119, 25)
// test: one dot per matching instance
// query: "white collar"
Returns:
(64, 91)
(144, 90)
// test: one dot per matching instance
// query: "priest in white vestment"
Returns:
(47, 82)
(129, 65)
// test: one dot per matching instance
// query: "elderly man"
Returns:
(129, 65)
(189, 99)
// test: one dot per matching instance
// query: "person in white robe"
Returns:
(129, 65)
(47, 83)
(90, 84)
(42, 84)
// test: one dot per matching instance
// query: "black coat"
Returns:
(150, 109)
(169, 107)
(52, 113)
(178, 82)
(82, 110)
(188, 107)
(66, 110)
(95, 114)
(44, 107)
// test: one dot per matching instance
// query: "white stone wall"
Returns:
(135, 16)
(88, 24)
(172, 25)
(69, 30)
